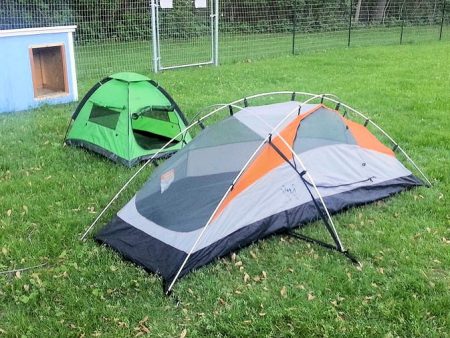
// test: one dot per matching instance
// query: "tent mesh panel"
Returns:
(321, 128)
(104, 116)
(211, 162)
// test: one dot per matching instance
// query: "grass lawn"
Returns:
(50, 193)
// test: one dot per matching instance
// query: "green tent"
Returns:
(127, 117)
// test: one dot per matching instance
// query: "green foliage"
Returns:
(117, 20)
(34, 13)
(50, 193)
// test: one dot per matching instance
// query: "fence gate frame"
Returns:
(156, 41)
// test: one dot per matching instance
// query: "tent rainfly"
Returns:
(127, 117)
(263, 170)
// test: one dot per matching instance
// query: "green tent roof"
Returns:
(128, 118)
(129, 77)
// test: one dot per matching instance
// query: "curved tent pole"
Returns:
(314, 96)
(183, 132)
(296, 157)
(335, 235)
(331, 98)
(231, 187)
(385, 134)
(327, 220)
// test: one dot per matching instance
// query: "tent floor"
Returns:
(149, 141)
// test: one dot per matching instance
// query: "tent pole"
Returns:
(328, 220)
(230, 188)
(210, 219)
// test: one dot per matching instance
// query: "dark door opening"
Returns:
(48, 66)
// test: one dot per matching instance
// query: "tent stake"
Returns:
(172, 296)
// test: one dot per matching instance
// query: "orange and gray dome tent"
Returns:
(262, 170)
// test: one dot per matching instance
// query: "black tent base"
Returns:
(346, 253)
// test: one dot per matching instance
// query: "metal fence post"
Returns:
(442, 20)
(154, 37)
(294, 26)
(350, 24)
(403, 24)
(216, 33)
(401, 32)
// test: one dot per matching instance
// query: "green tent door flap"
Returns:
(128, 118)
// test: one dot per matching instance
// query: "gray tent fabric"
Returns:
(190, 212)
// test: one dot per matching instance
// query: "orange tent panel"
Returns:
(366, 139)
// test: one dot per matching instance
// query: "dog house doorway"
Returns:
(49, 70)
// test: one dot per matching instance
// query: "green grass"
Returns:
(50, 193)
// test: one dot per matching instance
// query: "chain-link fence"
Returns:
(116, 35)
(111, 35)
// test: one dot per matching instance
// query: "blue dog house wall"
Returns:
(37, 66)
